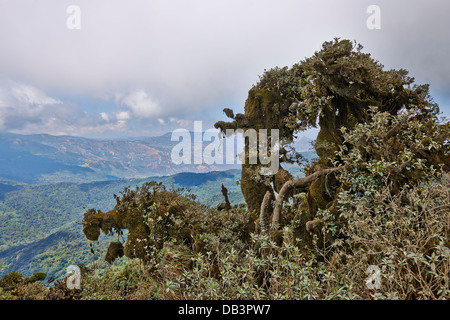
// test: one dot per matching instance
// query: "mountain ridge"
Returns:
(43, 158)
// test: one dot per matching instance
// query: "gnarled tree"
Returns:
(333, 89)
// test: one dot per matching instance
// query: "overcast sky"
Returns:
(139, 68)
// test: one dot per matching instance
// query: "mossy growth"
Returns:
(151, 214)
(37, 276)
(115, 250)
(146, 219)
(334, 90)
(252, 188)
(95, 221)
(264, 108)
(280, 178)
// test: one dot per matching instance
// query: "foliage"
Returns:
(405, 235)
(334, 88)
(16, 286)
(153, 216)
(39, 228)
(394, 150)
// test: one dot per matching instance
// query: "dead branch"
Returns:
(264, 215)
(289, 185)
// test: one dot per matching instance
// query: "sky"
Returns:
(143, 68)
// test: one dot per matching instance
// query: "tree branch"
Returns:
(264, 215)
(289, 185)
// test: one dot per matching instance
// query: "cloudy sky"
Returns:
(139, 68)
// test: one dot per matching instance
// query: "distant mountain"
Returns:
(44, 158)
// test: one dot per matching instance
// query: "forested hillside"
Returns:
(38, 224)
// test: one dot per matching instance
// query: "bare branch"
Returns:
(264, 215)
(289, 185)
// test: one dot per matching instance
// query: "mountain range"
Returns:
(42, 158)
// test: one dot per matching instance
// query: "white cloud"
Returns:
(104, 116)
(123, 116)
(184, 123)
(26, 109)
(142, 105)
(21, 104)
(29, 95)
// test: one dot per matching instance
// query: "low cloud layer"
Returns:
(27, 109)
(156, 65)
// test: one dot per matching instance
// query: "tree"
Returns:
(151, 214)
(335, 90)
(156, 218)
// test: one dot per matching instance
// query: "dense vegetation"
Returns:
(376, 198)
(40, 225)
(406, 237)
